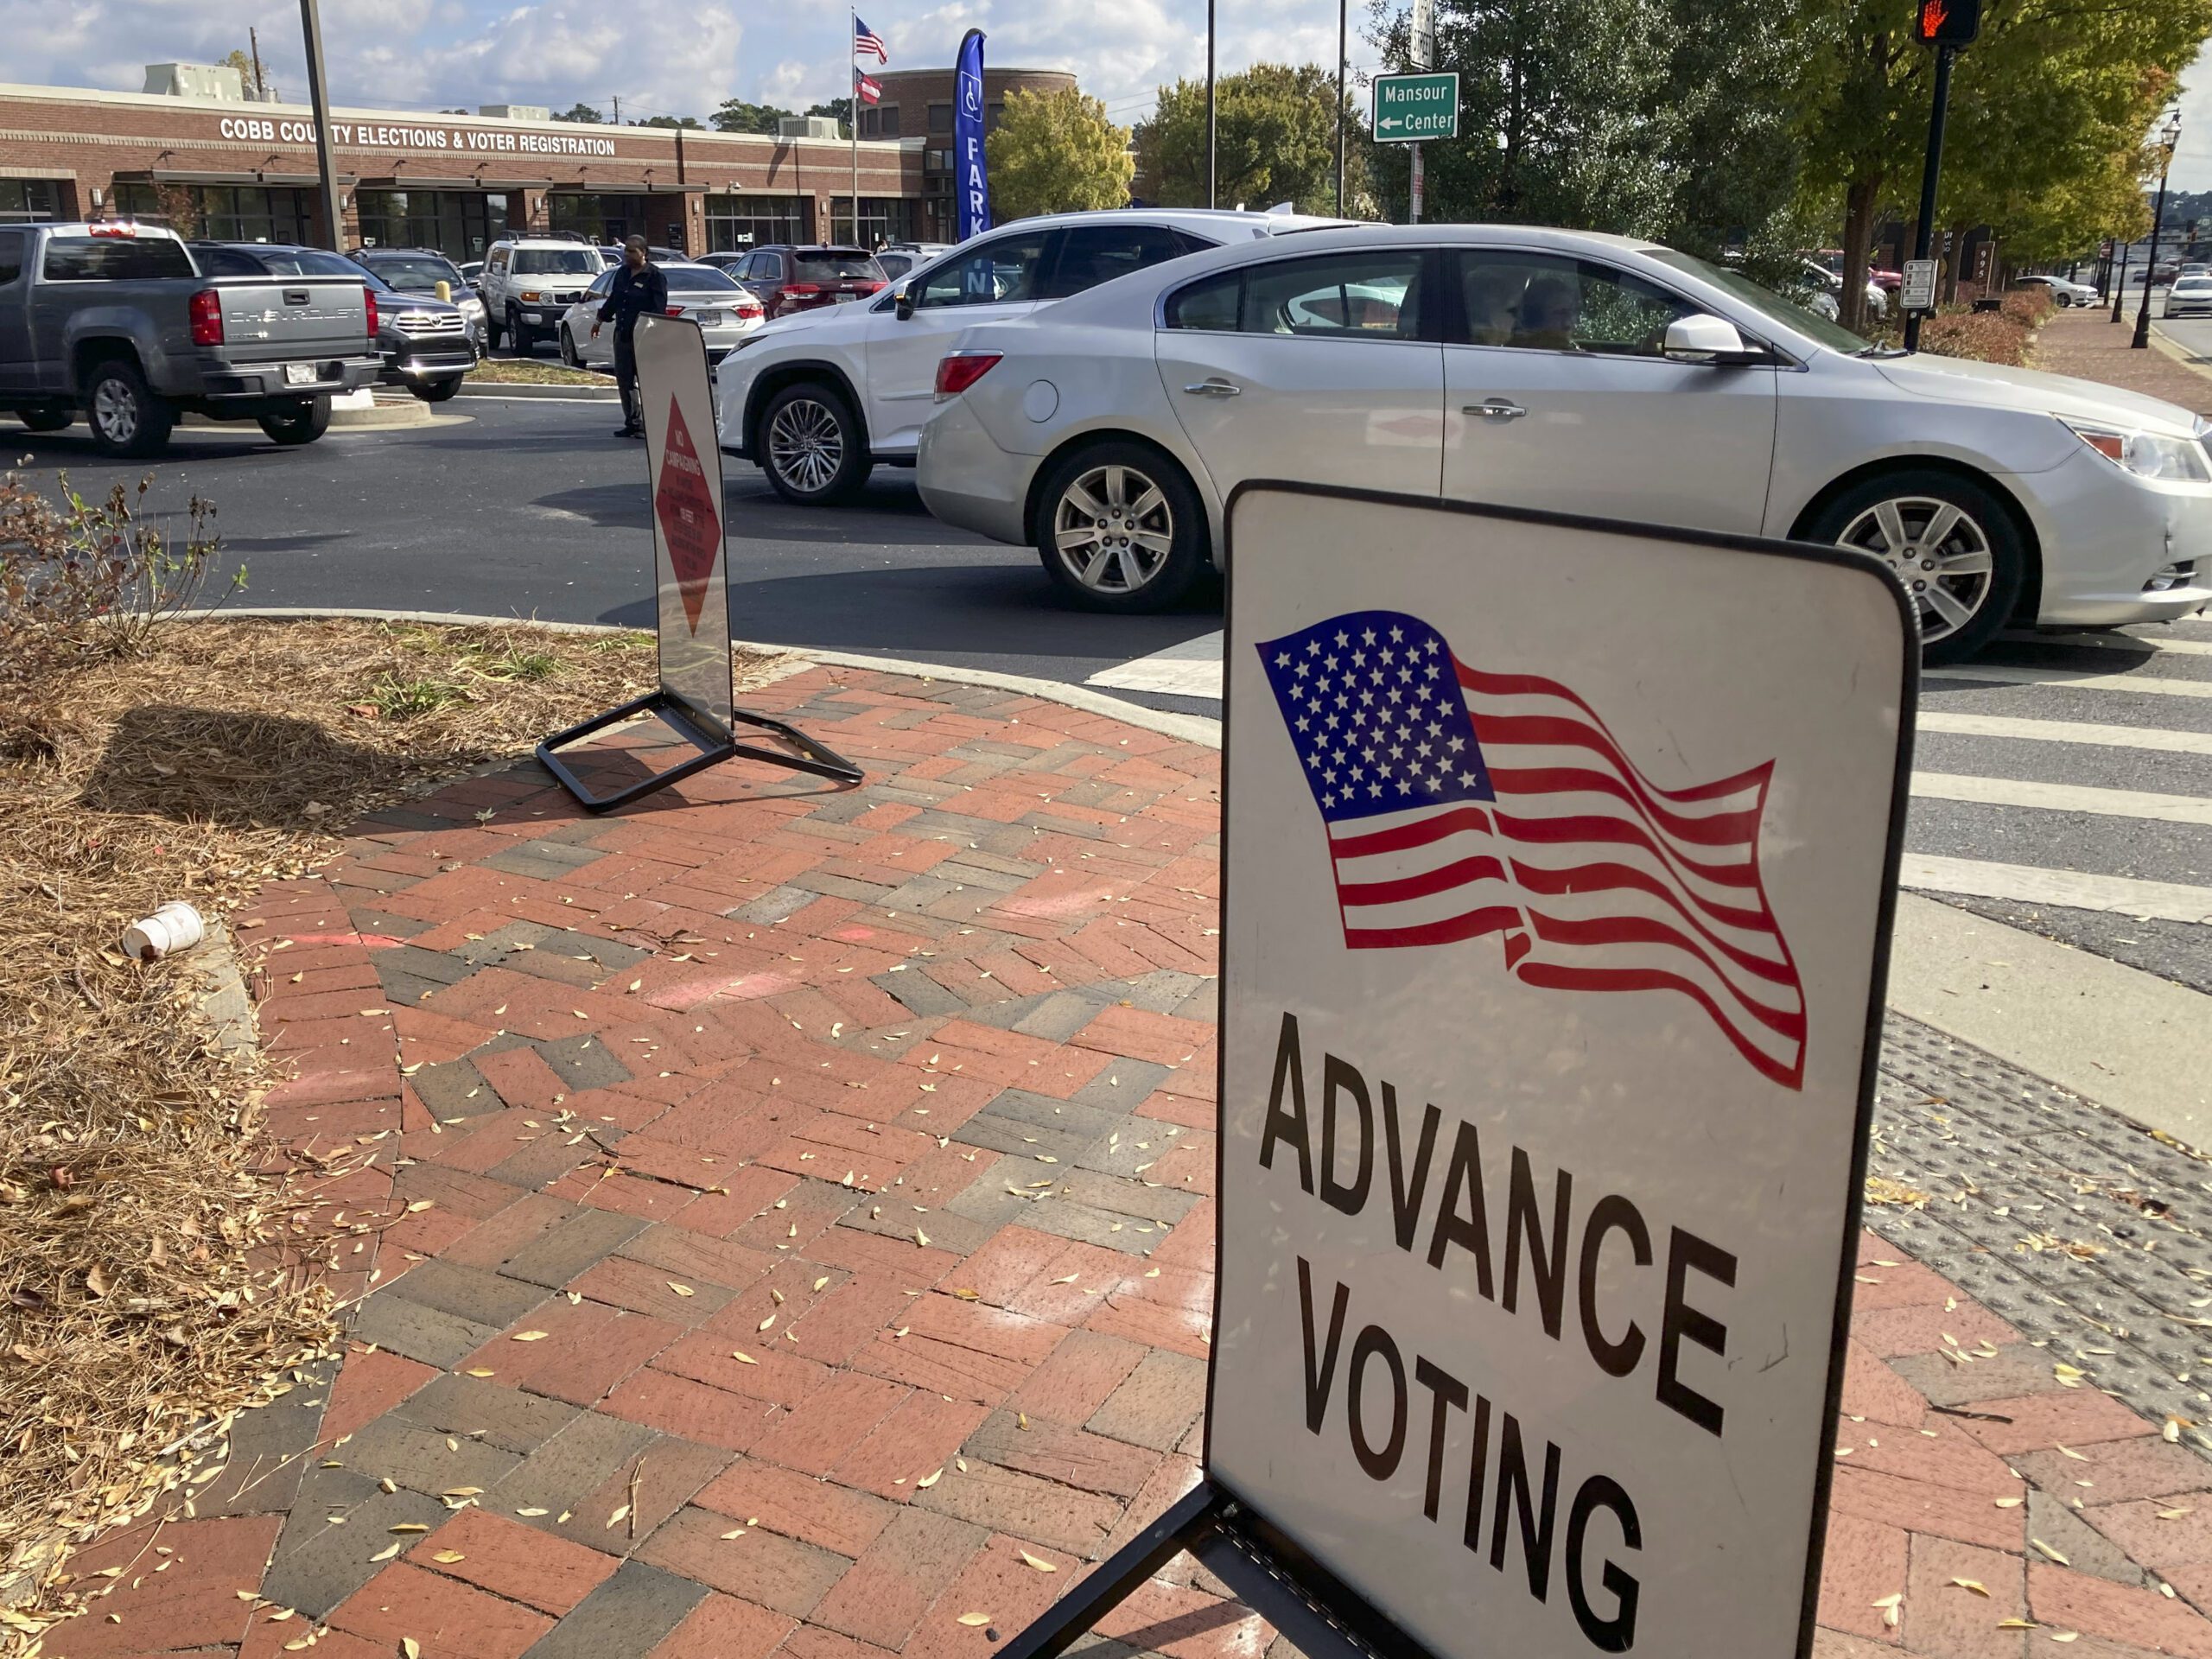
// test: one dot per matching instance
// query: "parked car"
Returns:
(2193, 270)
(900, 257)
(424, 340)
(530, 282)
(724, 259)
(821, 398)
(472, 272)
(420, 271)
(2189, 296)
(1826, 289)
(724, 312)
(116, 320)
(2063, 289)
(789, 279)
(1566, 371)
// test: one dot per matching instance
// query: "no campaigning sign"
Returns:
(1558, 857)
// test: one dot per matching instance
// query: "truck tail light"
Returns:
(369, 302)
(957, 371)
(207, 313)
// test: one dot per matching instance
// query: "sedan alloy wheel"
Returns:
(1938, 550)
(1114, 529)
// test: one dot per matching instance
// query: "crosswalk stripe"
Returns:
(1189, 669)
(2081, 678)
(2111, 642)
(2169, 901)
(2064, 731)
(2061, 797)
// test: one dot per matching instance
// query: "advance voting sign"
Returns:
(684, 468)
(1559, 859)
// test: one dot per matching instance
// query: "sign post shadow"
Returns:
(1559, 862)
(695, 697)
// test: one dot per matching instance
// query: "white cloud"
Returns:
(2192, 169)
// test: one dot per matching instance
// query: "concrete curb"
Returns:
(385, 416)
(526, 391)
(2174, 349)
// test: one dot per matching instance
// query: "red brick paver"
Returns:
(716, 1301)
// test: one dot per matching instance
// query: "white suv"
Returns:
(819, 399)
(529, 284)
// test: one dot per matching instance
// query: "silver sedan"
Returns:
(1565, 371)
(724, 312)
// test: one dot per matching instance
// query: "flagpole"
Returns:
(852, 110)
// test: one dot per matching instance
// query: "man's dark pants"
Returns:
(626, 376)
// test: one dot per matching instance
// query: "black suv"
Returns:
(424, 339)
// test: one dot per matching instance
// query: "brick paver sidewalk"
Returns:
(2084, 340)
(788, 1218)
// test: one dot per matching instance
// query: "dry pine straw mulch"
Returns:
(148, 1274)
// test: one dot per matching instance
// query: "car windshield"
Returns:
(836, 265)
(696, 279)
(565, 262)
(414, 273)
(1764, 300)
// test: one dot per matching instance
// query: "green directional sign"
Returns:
(1414, 109)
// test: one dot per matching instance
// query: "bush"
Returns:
(94, 578)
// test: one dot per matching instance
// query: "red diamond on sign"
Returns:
(690, 518)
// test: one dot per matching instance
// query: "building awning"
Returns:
(167, 176)
(420, 181)
(628, 188)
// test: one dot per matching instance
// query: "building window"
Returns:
(460, 223)
(940, 117)
(889, 126)
(226, 212)
(870, 120)
(937, 160)
(883, 218)
(25, 200)
(734, 222)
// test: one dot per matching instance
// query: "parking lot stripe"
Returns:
(2111, 642)
(2027, 884)
(2061, 797)
(2064, 731)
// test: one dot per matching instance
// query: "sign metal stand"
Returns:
(696, 698)
(1686, 1127)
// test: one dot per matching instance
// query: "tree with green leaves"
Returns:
(737, 116)
(581, 112)
(236, 59)
(689, 123)
(1276, 127)
(839, 109)
(1056, 152)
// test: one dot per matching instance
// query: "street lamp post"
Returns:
(1343, 6)
(333, 213)
(2167, 142)
(2120, 282)
(1213, 177)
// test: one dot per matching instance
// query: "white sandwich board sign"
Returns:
(1559, 857)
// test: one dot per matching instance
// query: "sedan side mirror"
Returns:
(1707, 340)
(902, 300)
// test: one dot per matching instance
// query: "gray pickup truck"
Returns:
(116, 321)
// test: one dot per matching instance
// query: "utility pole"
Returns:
(1342, 7)
(618, 109)
(2167, 142)
(1213, 175)
(333, 214)
(260, 83)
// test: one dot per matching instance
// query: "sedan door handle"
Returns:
(1214, 386)
(1494, 408)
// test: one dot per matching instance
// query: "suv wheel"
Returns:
(520, 341)
(1121, 528)
(1950, 541)
(127, 418)
(811, 445)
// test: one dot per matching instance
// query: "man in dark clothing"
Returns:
(639, 289)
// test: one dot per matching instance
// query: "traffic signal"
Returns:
(1947, 22)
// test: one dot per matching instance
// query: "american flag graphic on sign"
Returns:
(1460, 803)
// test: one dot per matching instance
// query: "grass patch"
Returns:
(528, 372)
(154, 1254)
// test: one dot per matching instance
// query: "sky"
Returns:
(685, 57)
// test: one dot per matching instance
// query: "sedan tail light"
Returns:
(674, 311)
(207, 313)
(369, 303)
(957, 371)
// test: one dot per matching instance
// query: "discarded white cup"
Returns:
(175, 926)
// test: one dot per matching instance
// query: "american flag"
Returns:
(1460, 803)
(866, 43)
(867, 86)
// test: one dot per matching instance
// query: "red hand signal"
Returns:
(1932, 15)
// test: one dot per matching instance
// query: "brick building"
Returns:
(246, 171)
(917, 109)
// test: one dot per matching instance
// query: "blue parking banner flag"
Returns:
(974, 214)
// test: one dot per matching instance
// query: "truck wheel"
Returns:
(305, 421)
(45, 419)
(127, 418)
